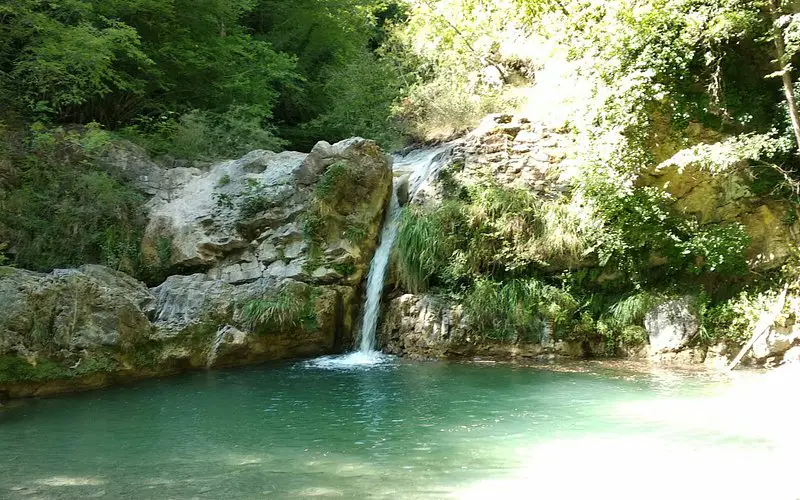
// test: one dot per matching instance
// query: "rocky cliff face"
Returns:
(420, 326)
(295, 230)
(514, 152)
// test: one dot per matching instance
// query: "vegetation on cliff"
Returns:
(640, 86)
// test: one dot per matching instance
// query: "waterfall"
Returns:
(377, 276)
(419, 165)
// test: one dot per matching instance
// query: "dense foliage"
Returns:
(688, 82)
(636, 83)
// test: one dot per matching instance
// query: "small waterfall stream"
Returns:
(419, 165)
(377, 277)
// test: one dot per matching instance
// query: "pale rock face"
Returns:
(88, 307)
(420, 326)
(429, 327)
(133, 164)
(243, 219)
(670, 325)
(184, 300)
(776, 341)
(792, 355)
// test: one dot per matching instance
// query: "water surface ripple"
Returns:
(396, 430)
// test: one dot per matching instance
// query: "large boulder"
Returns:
(93, 326)
(421, 326)
(70, 310)
(311, 217)
(670, 325)
(775, 342)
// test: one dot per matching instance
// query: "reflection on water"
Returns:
(409, 430)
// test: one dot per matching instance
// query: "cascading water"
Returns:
(419, 165)
(377, 276)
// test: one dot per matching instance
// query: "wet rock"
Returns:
(401, 188)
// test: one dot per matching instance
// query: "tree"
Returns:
(783, 59)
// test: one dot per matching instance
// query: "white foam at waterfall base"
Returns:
(353, 360)
(421, 163)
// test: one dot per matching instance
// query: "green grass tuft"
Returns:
(291, 307)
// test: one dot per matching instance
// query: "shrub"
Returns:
(338, 181)
(63, 210)
(290, 307)
(206, 135)
(425, 244)
(516, 309)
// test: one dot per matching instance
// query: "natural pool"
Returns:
(407, 430)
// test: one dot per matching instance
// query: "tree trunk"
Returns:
(762, 327)
(783, 66)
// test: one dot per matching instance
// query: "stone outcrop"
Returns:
(782, 336)
(717, 197)
(513, 152)
(253, 217)
(670, 325)
(510, 151)
(421, 326)
(296, 229)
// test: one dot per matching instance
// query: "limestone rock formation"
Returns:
(298, 230)
(779, 339)
(670, 325)
(511, 151)
(284, 215)
(420, 326)
(714, 198)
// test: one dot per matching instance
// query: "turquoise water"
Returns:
(404, 430)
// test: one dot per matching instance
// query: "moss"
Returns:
(199, 337)
(146, 356)
(314, 226)
(95, 363)
(345, 268)
(355, 230)
(18, 369)
(338, 181)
